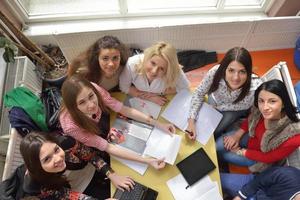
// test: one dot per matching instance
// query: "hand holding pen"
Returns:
(190, 135)
(191, 129)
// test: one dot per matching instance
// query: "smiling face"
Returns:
(87, 101)
(270, 105)
(235, 75)
(155, 67)
(109, 61)
(52, 158)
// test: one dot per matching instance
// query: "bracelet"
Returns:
(109, 172)
(240, 152)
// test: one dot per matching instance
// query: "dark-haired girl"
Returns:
(230, 88)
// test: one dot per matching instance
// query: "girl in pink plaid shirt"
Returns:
(85, 104)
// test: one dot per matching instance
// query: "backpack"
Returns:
(51, 98)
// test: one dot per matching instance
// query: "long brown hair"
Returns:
(242, 56)
(79, 65)
(106, 42)
(70, 90)
(278, 87)
(87, 62)
(30, 148)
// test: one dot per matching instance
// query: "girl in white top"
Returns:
(153, 74)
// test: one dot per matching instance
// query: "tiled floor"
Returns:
(262, 62)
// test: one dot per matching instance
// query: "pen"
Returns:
(189, 132)
(187, 186)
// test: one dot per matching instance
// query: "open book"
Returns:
(130, 134)
(143, 140)
(178, 110)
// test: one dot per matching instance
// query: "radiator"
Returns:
(20, 73)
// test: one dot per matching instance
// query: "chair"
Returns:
(281, 72)
(13, 156)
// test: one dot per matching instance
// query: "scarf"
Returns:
(277, 132)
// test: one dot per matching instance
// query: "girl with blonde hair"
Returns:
(153, 74)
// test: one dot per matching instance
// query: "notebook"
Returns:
(195, 166)
(139, 192)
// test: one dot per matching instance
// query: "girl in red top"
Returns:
(272, 130)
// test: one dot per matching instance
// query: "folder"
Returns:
(195, 166)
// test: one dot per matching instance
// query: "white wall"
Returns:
(260, 34)
(3, 66)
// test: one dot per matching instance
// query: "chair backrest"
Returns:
(281, 72)
(13, 155)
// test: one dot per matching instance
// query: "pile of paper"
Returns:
(204, 189)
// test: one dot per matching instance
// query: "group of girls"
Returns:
(269, 134)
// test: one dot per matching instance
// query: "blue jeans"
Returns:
(232, 183)
(231, 157)
(229, 118)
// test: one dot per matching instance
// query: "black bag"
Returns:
(12, 188)
(193, 59)
(51, 98)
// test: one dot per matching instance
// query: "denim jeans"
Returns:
(229, 118)
(232, 183)
(231, 157)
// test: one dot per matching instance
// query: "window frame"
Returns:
(219, 9)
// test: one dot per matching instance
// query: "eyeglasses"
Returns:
(106, 59)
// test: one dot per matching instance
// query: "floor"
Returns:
(262, 62)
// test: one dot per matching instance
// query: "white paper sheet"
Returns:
(162, 145)
(178, 109)
(207, 121)
(136, 166)
(147, 107)
(177, 113)
(203, 189)
(213, 193)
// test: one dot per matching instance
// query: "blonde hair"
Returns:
(167, 52)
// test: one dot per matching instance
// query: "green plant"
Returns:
(9, 49)
(12, 39)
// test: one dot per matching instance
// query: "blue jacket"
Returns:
(275, 183)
